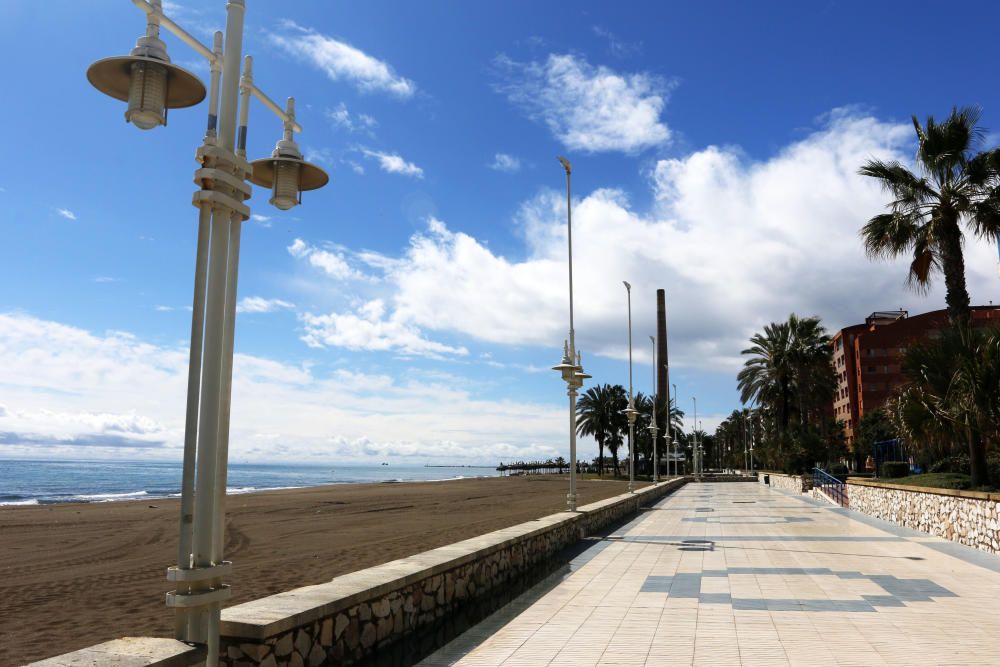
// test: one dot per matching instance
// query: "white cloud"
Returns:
(507, 163)
(66, 213)
(339, 60)
(165, 309)
(736, 243)
(368, 328)
(256, 304)
(332, 263)
(588, 108)
(343, 118)
(104, 279)
(78, 393)
(262, 220)
(394, 164)
(618, 47)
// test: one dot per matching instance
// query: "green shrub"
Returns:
(954, 464)
(839, 470)
(895, 469)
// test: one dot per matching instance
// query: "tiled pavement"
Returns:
(740, 574)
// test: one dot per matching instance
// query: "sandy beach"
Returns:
(75, 575)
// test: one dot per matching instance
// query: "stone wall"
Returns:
(795, 483)
(357, 614)
(967, 517)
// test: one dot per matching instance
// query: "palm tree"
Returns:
(954, 392)
(594, 413)
(789, 370)
(955, 185)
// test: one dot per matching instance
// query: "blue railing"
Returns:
(834, 489)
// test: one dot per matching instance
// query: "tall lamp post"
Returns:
(151, 85)
(676, 444)
(652, 416)
(630, 411)
(697, 445)
(571, 367)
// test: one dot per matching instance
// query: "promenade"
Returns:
(740, 574)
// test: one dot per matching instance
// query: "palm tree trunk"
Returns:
(953, 267)
(600, 461)
(978, 470)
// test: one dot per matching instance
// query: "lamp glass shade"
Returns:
(147, 95)
(285, 193)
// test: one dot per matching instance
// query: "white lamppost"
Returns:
(676, 444)
(150, 85)
(571, 367)
(697, 445)
(652, 416)
(630, 411)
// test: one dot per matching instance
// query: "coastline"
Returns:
(75, 574)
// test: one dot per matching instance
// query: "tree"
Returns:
(601, 415)
(874, 427)
(790, 376)
(954, 391)
(955, 186)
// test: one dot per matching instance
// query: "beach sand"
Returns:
(76, 575)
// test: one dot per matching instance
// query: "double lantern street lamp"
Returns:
(571, 367)
(630, 411)
(151, 84)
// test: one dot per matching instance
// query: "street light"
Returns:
(670, 416)
(697, 445)
(630, 411)
(572, 373)
(652, 415)
(151, 84)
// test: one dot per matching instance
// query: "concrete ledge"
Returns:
(353, 615)
(131, 652)
(956, 493)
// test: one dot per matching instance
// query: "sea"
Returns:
(25, 482)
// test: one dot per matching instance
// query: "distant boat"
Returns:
(384, 463)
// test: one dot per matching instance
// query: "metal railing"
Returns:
(830, 486)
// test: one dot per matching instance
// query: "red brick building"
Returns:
(867, 358)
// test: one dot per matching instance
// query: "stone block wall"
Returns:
(968, 517)
(357, 614)
(795, 483)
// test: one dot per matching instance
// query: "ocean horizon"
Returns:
(26, 482)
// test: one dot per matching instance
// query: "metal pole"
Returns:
(631, 417)
(694, 450)
(211, 469)
(194, 362)
(652, 339)
(571, 497)
(676, 444)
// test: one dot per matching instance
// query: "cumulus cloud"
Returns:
(393, 163)
(66, 213)
(333, 263)
(339, 60)
(507, 163)
(257, 304)
(588, 108)
(369, 328)
(735, 242)
(88, 394)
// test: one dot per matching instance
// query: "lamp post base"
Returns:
(570, 502)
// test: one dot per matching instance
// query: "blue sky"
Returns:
(411, 309)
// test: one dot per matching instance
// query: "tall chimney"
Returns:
(662, 361)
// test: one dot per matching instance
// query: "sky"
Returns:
(410, 311)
